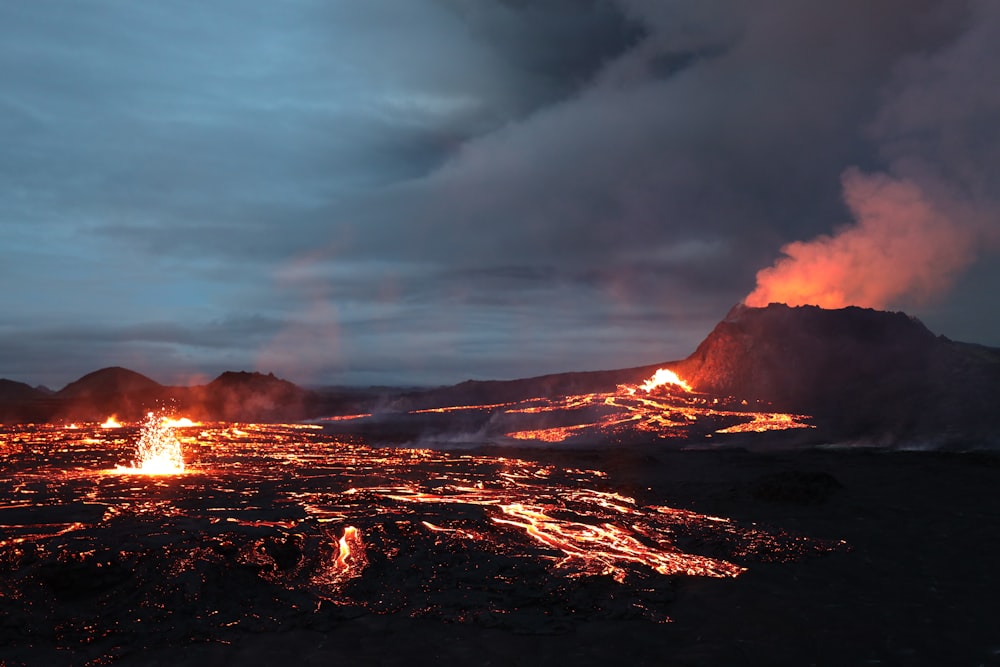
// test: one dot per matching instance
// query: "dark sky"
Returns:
(425, 191)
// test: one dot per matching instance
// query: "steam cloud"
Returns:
(923, 220)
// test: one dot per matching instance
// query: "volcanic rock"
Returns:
(18, 391)
(795, 487)
(20, 402)
(109, 381)
(108, 391)
(861, 372)
(243, 396)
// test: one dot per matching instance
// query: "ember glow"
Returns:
(313, 516)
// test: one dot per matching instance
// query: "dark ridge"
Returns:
(113, 380)
(109, 391)
(864, 374)
(243, 396)
(244, 379)
(18, 391)
(544, 386)
(860, 371)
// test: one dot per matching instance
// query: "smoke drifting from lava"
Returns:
(904, 246)
(934, 207)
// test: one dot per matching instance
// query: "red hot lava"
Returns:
(311, 516)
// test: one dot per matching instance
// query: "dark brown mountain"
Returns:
(114, 380)
(107, 391)
(243, 396)
(479, 392)
(11, 391)
(237, 396)
(862, 372)
(20, 402)
(867, 375)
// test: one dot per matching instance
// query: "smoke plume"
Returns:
(903, 246)
(934, 208)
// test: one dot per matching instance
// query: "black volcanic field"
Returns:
(902, 467)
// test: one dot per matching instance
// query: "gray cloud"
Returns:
(424, 191)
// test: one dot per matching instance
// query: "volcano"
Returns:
(865, 375)
(860, 372)
(646, 504)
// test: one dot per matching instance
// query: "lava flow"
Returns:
(664, 406)
(288, 517)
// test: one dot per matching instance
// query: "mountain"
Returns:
(20, 402)
(480, 392)
(11, 391)
(236, 396)
(864, 375)
(243, 396)
(110, 391)
(109, 381)
(861, 372)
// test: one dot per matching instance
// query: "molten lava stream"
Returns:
(602, 549)
(350, 561)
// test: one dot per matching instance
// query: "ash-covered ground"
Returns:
(294, 543)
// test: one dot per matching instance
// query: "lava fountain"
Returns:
(158, 451)
(664, 376)
(111, 422)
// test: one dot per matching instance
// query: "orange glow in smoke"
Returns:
(904, 246)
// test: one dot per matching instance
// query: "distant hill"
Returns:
(11, 391)
(115, 390)
(479, 392)
(243, 396)
(236, 396)
(20, 402)
(107, 381)
(864, 374)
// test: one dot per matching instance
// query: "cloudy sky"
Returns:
(425, 191)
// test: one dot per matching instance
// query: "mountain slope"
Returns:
(860, 371)
(11, 391)
(107, 381)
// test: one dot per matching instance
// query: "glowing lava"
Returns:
(182, 422)
(662, 377)
(111, 422)
(652, 407)
(158, 451)
(288, 517)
